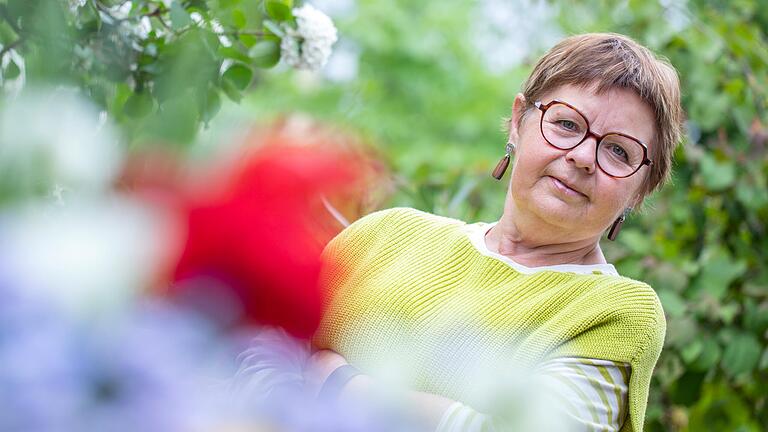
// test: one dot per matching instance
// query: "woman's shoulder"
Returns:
(634, 306)
(398, 218)
(636, 290)
(616, 318)
(405, 214)
(629, 297)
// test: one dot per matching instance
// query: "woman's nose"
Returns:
(583, 155)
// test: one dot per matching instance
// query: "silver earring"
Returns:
(501, 167)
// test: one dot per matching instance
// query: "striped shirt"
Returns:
(590, 395)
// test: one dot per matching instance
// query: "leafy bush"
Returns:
(159, 68)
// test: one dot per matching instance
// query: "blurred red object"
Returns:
(255, 228)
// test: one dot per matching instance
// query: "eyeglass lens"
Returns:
(565, 128)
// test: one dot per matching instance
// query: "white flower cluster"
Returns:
(74, 5)
(308, 46)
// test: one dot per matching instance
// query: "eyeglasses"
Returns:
(617, 154)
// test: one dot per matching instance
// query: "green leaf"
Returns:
(265, 54)
(278, 10)
(681, 331)
(719, 269)
(231, 91)
(728, 312)
(674, 305)
(755, 316)
(7, 35)
(179, 16)
(741, 354)
(210, 104)
(138, 105)
(12, 71)
(709, 356)
(247, 39)
(274, 28)
(638, 242)
(122, 92)
(238, 75)
(691, 352)
(239, 19)
(667, 276)
(226, 4)
(234, 54)
(717, 175)
(176, 122)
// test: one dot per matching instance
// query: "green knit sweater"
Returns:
(412, 285)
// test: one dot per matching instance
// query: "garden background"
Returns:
(428, 84)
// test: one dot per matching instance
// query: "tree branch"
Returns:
(242, 32)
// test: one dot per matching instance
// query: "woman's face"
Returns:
(565, 188)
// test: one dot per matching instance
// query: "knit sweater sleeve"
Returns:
(644, 362)
(580, 394)
(631, 331)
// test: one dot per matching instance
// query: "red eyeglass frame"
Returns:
(589, 133)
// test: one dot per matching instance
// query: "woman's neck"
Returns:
(537, 246)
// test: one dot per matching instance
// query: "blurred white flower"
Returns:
(55, 138)
(143, 27)
(13, 86)
(218, 29)
(308, 46)
(90, 257)
(122, 11)
(74, 5)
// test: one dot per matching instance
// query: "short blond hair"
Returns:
(607, 61)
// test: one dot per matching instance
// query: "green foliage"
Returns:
(422, 94)
(144, 60)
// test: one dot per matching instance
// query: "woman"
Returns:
(593, 133)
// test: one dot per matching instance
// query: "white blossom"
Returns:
(54, 137)
(122, 11)
(89, 257)
(308, 46)
(74, 5)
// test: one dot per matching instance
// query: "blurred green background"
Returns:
(429, 83)
(432, 82)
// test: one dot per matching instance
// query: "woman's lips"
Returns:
(562, 187)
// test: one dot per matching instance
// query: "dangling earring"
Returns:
(501, 167)
(616, 227)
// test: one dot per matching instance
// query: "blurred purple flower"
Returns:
(269, 387)
(150, 370)
(38, 372)
(155, 367)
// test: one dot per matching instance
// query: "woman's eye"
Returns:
(619, 151)
(568, 124)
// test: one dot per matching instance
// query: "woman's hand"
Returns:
(319, 367)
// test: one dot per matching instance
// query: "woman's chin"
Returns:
(555, 212)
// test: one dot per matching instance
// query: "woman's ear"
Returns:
(518, 112)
